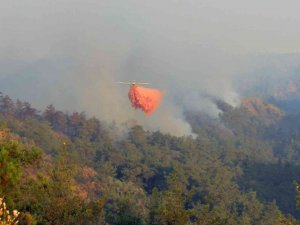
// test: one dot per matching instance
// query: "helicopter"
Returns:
(133, 83)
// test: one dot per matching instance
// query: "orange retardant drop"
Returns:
(145, 99)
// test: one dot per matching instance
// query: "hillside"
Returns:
(275, 79)
(65, 168)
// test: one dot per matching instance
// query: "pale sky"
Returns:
(35, 27)
(71, 52)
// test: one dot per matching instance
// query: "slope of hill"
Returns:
(273, 78)
(71, 169)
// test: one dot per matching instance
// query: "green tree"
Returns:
(168, 207)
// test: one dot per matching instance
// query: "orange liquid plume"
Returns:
(145, 99)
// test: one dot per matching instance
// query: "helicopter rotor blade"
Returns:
(144, 83)
(133, 83)
(123, 83)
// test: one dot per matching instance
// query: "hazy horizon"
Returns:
(71, 53)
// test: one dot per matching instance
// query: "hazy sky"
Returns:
(70, 52)
(234, 25)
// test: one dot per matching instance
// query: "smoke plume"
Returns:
(71, 53)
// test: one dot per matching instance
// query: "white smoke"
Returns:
(71, 53)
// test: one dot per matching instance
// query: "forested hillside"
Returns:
(66, 168)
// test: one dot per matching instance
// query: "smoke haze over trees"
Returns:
(222, 148)
(240, 169)
(71, 53)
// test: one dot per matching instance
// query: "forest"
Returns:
(67, 168)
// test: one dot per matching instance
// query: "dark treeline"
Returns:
(65, 168)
